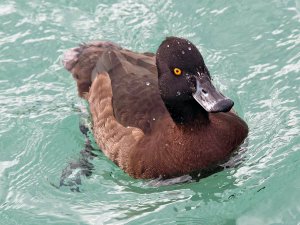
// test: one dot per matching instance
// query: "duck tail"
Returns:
(84, 61)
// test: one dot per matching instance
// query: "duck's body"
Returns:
(142, 133)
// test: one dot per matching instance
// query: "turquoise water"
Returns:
(252, 49)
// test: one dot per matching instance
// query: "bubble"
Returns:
(189, 48)
(147, 83)
(183, 52)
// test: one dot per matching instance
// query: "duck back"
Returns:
(136, 99)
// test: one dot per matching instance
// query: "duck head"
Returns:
(184, 77)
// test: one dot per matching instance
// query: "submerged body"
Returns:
(136, 123)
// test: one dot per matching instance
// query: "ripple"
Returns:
(51, 37)
(7, 9)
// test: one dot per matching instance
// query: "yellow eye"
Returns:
(177, 71)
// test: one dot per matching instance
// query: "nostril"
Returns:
(205, 92)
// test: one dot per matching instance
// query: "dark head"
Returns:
(183, 76)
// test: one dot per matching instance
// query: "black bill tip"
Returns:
(223, 106)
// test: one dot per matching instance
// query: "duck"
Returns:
(155, 115)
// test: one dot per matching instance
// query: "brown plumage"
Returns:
(151, 123)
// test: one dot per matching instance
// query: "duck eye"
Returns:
(177, 71)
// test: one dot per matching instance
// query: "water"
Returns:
(252, 50)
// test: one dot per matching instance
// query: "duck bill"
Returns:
(210, 98)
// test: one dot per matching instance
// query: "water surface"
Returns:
(252, 49)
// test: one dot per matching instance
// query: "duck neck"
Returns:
(184, 112)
